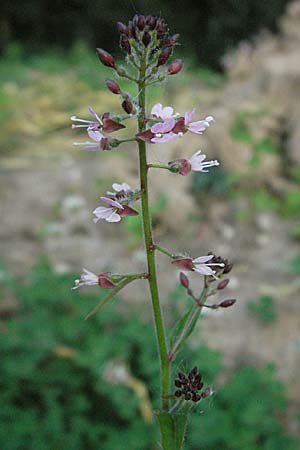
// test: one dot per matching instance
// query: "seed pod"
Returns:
(227, 303)
(223, 284)
(164, 56)
(106, 58)
(127, 106)
(113, 86)
(184, 280)
(175, 67)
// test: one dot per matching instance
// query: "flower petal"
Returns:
(95, 134)
(203, 259)
(157, 110)
(167, 112)
(114, 217)
(165, 138)
(189, 115)
(204, 270)
(112, 202)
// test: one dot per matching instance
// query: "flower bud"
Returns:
(125, 44)
(172, 40)
(141, 22)
(228, 268)
(175, 67)
(184, 280)
(113, 86)
(164, 56)
(106, 58)
(122, 29)
(127, 106)
(227, 303)
(146, 39)
(223, 284)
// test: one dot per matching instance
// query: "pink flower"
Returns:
(162, 131)
(161, 112)
(104, 123)
(88, 278)
(114, 212)
(197, 162)
(199, 126)
(100, 141)
(200, 265)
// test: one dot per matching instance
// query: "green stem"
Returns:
(165, 251)
(150, 249)
(193, 314)
(158, 166)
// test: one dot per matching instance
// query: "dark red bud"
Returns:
(164, 56)
(146, 39)
(206, 393)
(184, 280)
(178, 393)
(228, 268)
(227, 303)
(113, 86)
(175, 67)
(125, 44)
(152, 22)
(141, 22)
(122, 29)
(172, 40)
(127, 106)
(106, 58)
(223, 284)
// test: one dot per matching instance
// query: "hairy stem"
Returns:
(150, 249)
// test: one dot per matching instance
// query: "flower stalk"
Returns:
(148, 47)
(149, 245)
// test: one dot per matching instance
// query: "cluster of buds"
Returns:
(143, 30)
(190, 387)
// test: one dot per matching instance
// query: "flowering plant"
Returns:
(149, 46)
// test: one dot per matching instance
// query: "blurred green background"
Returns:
(58, 384)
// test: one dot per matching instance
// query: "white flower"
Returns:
(120, 187)
(202, 266)
(197, 162)
(111, 214)
(87, 278)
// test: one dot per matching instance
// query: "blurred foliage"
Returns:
(53, 394)
(294, 265)
(209, 29)
(263, 308)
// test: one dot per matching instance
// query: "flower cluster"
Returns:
(168, 126)
(118, 204)
(190, 386)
